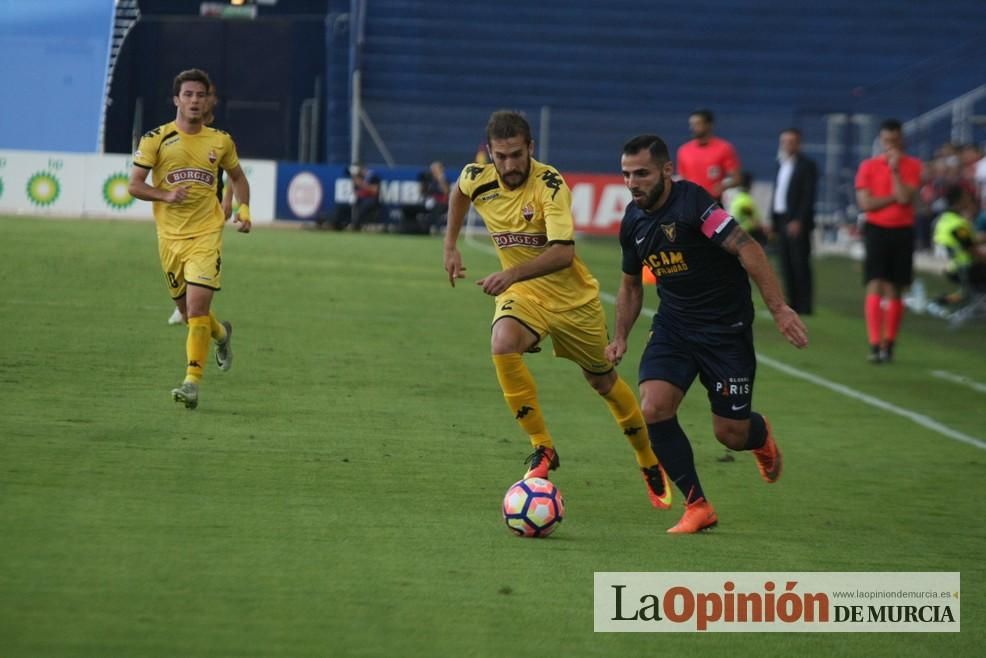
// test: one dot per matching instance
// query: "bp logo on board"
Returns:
(116, 192)
(43, 188)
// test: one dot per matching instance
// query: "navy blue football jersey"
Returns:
(702, 286)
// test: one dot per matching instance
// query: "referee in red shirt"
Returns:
(708, 160)
(886, 186)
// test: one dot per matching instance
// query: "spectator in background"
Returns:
(886, 187)
(707, 160)
(435, 192)
(366, 197)
(744, 209)
(428, 215)
(979, 180)
(793, 218)
(953, 231)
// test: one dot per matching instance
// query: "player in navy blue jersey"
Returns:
(703, 262)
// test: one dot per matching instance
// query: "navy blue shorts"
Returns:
(725, 363)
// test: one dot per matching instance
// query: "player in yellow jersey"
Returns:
(543, 289)
(187, 158)
(225, 196)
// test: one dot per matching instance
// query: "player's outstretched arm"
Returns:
(458, 206)
(629, 301)
(754, 261)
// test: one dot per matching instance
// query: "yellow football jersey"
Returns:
(194, 161)
(523, 222)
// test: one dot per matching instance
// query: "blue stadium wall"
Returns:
(53, 65)
(433, 71)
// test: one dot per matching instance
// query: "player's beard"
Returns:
(515, 179)
(650, 200)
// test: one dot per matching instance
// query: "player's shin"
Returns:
(623, 405)
(757, 434)
(197, 347)
(675, 452)
(216, 329)
(520, 394)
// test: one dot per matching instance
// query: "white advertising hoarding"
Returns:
(72, 184)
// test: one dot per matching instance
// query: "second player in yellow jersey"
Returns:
(543, 289)
(525, 220)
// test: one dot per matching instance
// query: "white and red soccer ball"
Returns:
(533, 508)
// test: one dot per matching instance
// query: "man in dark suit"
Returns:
(793, 216)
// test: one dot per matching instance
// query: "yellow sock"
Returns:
(623, 405)
(218, 332)
(521, 396)
(197, 347)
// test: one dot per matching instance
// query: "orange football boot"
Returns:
(698, 516)
(769, 457)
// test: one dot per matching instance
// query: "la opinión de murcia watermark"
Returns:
(776, 602)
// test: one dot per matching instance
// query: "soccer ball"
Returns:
(533, 508)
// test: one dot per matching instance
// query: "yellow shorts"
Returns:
(195, 261)
(578, 335)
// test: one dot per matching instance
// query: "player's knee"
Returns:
(656, 410)
(601, 384)
(499, 346)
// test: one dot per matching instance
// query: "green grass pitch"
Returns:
(337, 493)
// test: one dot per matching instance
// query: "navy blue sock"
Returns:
(758, 432)
(675, 452)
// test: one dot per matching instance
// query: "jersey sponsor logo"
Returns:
(169, 142)
(640, 240)
(490, 196)
(528, 212)
(714, 220)
(191, 176)
(670, 230)
(138, 155)
(507, 240)
(734, 386)
(666, 262)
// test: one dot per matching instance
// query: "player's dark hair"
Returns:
(504, 124)
(652, 143)
(893, 125)
(191, 75)
(793, 131)
(705, 114)
(746, 179)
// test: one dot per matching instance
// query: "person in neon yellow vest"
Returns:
(966, 259)
(745, 209)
